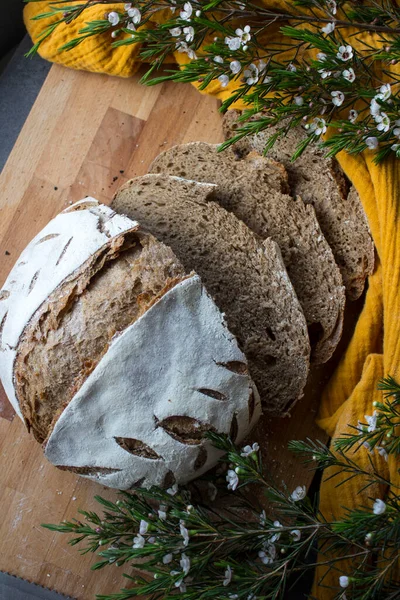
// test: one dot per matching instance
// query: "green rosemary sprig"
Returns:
(220, 546)
(313, 75)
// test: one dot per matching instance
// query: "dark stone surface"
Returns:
(20, 83)
(12, 28)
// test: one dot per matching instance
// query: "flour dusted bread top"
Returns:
(94, 362)
(56, 252)
(254, 189)
(246, 278)
(321, 182)
(140, 417)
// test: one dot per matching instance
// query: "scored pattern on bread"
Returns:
(253, 189)
(104, 296)
(320, 182)
(38, 272)
(139, 413)
(246, 278)
(120, 359)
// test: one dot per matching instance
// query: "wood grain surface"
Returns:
(86, 135)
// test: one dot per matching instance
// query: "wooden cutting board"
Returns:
(86, 135)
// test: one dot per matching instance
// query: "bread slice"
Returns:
(321, 182)
(247, 278)
(253, 189)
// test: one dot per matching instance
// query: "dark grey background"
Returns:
(20, 78)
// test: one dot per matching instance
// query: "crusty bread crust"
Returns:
(321, 182)
(72, 330)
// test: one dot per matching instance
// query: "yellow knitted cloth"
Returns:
(374, 350)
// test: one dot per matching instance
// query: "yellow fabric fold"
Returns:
(374, 350)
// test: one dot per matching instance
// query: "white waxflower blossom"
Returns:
(296, 535)
(324, 74)
(349, 75)
(385, 91)
(374, 107)
(395, 147)
(292, 68)
(189, 34)
(185, 563)
(275, 537)
(247, 450)
(233, 596)
(299, 493)
(114, 34)
(218, 59)
(131, 27)
(321, 56)
(372, 143)
(267, 79)
(268, 555)
(232, 478)
(183, 47)
(318, 126)
(152, 540)
(228, 576)
(167, 558)
(372, 420)
(379, 507)
(143, 527)
(337, 98)
(173, 490)
(138, 541)
(298, 100)
(172, 8)
(329, 27)
(383, 125)
(113, 18)
(233, 43)
(381, 451)
(187, 11)
(135, 15)
(244, 34)
(332, 6)
(344, 581)
(175, 32)
(127, 5)
(262, 65)
(198, 13)
(224, 80)
(263, 518)
(345, 53)
(235, 66)
(265, 559)
(353, 115)
(184, 533)
(162, 515)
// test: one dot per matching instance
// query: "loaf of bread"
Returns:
(246, 278)
(254, 190)
(115, 355)
(320, 182)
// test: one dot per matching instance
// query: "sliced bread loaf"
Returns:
(320, 181)
(253, 189)
(246, 277)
